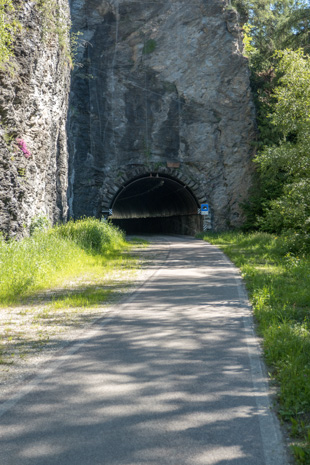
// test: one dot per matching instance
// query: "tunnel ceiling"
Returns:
(154, 196)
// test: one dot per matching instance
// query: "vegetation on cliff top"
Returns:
(55, 23)
(8, 24)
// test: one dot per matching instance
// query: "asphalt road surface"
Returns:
(172, 376)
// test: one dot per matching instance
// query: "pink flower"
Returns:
(23, 146)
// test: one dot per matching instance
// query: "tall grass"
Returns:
(278, 282)
(93, 236)
(49, 257)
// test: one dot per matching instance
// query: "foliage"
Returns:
(297, 22)
(92, 235)
(52, 255)
(278, 282)
(274, 26)
(269, 26)
(8, 26)
(75, 43)
(279, 200)
(290, 211)
(292, 93)
(39, 223)
(249, 48)
(56, 24)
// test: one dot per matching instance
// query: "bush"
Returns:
(39, 223)
(31, 263)
(51, 255)
(92, 235)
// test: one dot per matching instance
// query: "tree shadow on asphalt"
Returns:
(165, 382)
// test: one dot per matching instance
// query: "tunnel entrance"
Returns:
(156, 204)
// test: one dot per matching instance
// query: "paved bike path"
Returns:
(172, 376)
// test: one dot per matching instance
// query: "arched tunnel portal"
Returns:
(156, 204)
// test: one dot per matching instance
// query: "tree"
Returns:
(291, 156)
(269, 26)
(275, 25)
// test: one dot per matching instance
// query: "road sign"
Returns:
(204, 209)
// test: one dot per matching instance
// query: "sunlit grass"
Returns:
(77, 250)
(278, 282)
(138, 241)
(58, 280)
(86, 298)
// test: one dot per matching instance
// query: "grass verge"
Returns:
(58, 280)
(278, 282)
(50, 258)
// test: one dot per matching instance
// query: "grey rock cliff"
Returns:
(33, 113)
(160, 87)
(160, 84)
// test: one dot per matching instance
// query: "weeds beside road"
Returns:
(278, 283)
(60, 279)
(55, 282)
(51, 257)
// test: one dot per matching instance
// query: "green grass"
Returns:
(8, 28)
(86, 248)
(86, 298)
(139, 241)
(58, 280)
(278, 282)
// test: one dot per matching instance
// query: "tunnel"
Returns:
(156, 204)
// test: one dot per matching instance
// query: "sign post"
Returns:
(205, 213)
(204, 209)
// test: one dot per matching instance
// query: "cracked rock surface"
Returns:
(33, 113)
(160, 83)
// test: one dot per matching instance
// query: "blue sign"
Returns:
(204, 209)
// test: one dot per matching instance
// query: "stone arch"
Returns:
(160, 200)
(113, 184)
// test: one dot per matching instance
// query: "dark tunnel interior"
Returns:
(156, 204)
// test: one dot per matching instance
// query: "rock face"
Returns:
(162, 88)
(161, 117)
(33, 113)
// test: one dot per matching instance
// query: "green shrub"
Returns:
(50, 256)
(39, 223)
(30, 263)
(92, 235)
